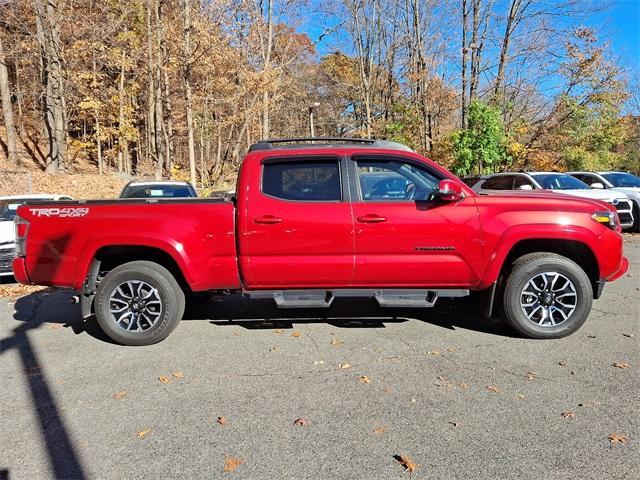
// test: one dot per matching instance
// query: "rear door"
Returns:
(298, 227)
(411, 239)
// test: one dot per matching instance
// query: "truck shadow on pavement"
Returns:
(62, 456)
(344, 313)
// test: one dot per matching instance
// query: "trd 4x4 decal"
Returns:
(59, 212)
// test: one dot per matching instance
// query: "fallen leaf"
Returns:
(236, 334)
(386, 390)
(344, 365)
(591, 336)
(406, 462)
(336, 341)
(120, 395)
(590, 403)
(143, 433)
(621, 365)
(562, 364)
(379, 430)
(455, 424)
(568, 414)
(433, 352)
(463, 386)
(231, 463)
(164, 379)
(55, 326)
(279, 331)
(520, 396)
(223, 421)
(451, 349)
(628, 335)
(300, 421)
(531, 375)
(178, 374)
(413, 400)
(295, 334)
(319, 362)
(617, 438)
(274, 349)
(365, 379)
(493, 388)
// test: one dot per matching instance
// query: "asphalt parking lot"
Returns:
(461, 397)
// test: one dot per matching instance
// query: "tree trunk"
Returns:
(97, 121)
(266, 127)
(48, 34)
(513, 12)
(7, 109)
(465, 60)
(189, 100)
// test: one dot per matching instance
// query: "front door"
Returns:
(405, 235)
(298, 228)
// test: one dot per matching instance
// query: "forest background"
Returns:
(117, 89)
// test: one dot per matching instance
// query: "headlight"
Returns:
(609, 219)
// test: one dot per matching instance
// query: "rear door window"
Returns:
(314, 181)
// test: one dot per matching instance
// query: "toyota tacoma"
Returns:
(313, 220)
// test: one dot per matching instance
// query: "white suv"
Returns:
(618, 181)
(8, 208)
(559, 183)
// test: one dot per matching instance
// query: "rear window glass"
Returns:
(502, 182)
(306, 181)
(164, 191)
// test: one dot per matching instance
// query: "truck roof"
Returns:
(325, 142)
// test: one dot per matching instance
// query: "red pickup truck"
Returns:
(323, 219)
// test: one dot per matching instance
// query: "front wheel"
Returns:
(139, 303)
(547, 296)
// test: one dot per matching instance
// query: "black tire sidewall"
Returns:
(168, 291)
(519, 278)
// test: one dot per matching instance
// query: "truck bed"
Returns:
(199, 234)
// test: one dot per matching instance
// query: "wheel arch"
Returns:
(574, 250)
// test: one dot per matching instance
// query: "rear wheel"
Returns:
(139, 303)
(547, 296)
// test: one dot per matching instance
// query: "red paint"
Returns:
(460, 242)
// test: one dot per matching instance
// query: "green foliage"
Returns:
(482, 146)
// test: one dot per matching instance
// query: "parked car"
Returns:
(8, 208)
(560, 183)
(160, 189)
(301, 233)
(624, 182)
(471, 181)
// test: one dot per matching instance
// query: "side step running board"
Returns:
(388, 297)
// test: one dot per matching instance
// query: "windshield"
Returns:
(622, 179)
(559, 181)
(8, 209)
(160, 191)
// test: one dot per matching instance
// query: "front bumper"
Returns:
(624, 266)
(6, 259)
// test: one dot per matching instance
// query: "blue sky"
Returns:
(624, 28)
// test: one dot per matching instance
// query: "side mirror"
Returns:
(450, 191)
(525, 187)
(597, 185)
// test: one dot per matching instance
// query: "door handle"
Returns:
(268, 219)
(371, 218)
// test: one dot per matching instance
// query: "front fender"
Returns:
(504, 244)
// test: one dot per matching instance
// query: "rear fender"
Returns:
(171, 247)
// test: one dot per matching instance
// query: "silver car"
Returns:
(624, 182)
(558, 183)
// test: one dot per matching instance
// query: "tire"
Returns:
(158, 309)
(636, 218)
(534, 287)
